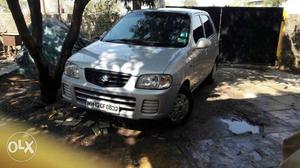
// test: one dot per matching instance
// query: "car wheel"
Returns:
(182, 108)
(212, 75)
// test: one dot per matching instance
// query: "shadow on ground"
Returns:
(239, 121)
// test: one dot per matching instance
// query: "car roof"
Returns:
(174, 10)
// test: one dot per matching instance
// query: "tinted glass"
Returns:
(207, 25)
(151, 28)
(197, 29)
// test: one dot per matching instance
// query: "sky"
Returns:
(292, 6)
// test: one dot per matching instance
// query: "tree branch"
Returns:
(36, 21)
(72, 36)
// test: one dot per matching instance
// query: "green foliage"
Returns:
(272, 3)
(269, 3)
(190, 2)
(99, 17)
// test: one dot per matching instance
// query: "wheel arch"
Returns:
(186, 83)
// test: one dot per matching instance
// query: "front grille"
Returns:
(106, 78)
(67, 91)
(150, 106)
(126, 103)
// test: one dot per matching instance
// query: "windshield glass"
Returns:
(152, 29)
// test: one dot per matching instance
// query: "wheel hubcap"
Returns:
(181, 108)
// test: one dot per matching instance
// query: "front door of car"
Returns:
(212, 50)
(196, 53)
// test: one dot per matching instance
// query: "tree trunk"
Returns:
(136, 5)
(58, 9)
(49, 85)
(44, 7)
(53, 84)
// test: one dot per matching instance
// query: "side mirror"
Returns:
(203, 43)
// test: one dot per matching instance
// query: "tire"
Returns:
(211, 77)
(182, 108)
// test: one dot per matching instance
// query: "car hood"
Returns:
(126, 58)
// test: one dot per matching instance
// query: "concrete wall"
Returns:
(7, 23)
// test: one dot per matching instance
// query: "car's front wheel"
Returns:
(183, 106)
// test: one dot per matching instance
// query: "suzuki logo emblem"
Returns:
(103, 78)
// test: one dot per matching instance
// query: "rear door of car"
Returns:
(212, 51)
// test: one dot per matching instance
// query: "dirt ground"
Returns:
(239, 121)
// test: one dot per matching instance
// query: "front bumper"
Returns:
(134, 103)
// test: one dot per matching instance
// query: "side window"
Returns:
(209, 30)
(197, 28)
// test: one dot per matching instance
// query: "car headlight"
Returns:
(154, 82)
(71, 70)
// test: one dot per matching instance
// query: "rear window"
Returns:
(197, 29)
(209, 30)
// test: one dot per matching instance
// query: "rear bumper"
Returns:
(134, 103)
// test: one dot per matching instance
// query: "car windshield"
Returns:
(162, 29)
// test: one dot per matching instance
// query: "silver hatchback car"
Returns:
(146, 66)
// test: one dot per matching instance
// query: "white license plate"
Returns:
(103, 106)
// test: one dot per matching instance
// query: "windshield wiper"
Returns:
(129, 41)
(142, 42)
(162, 44)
